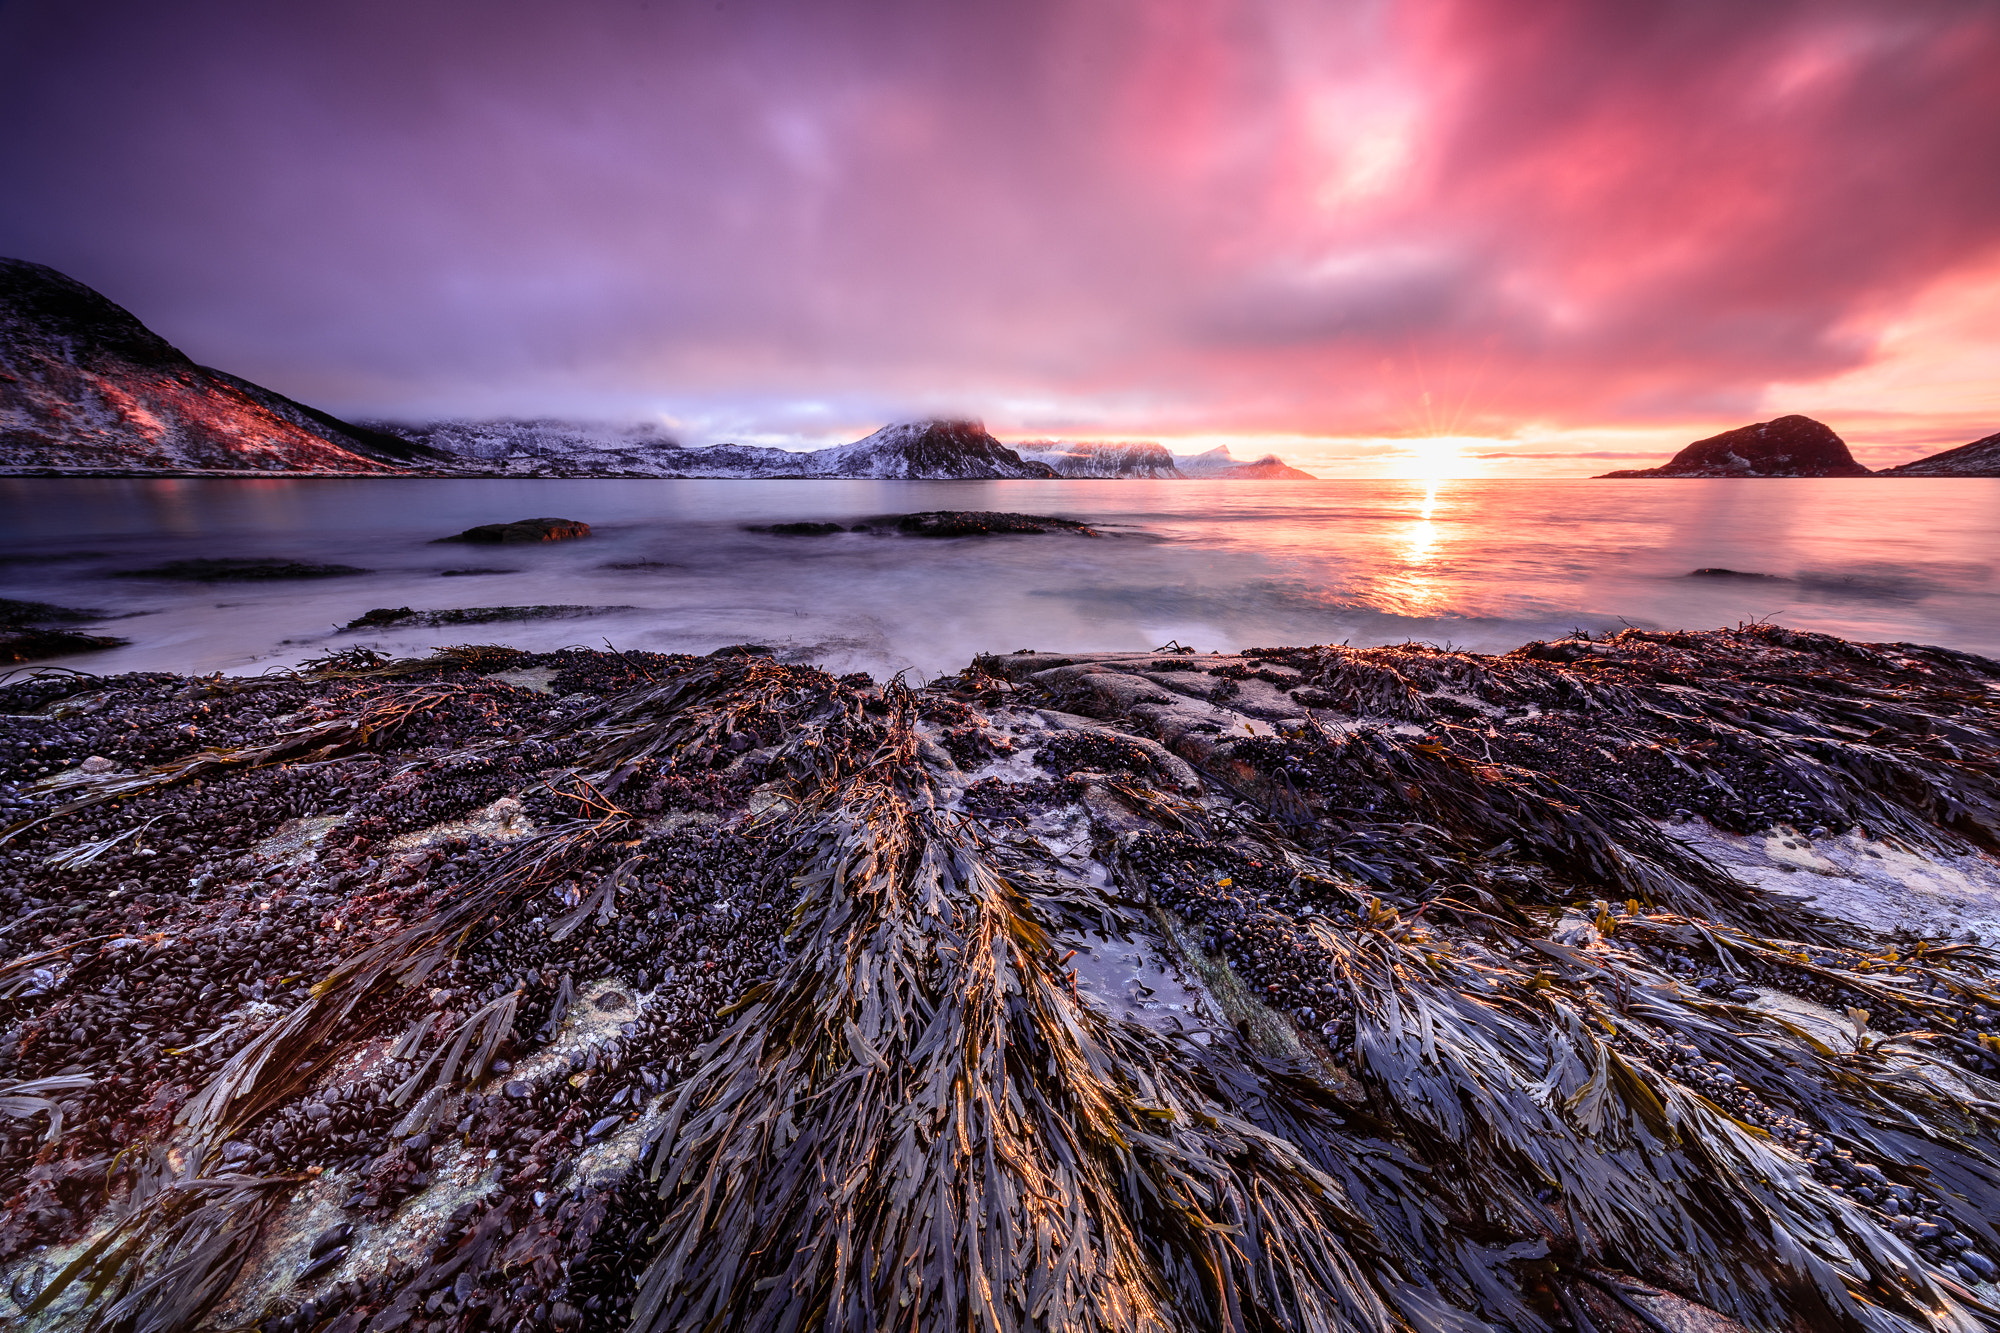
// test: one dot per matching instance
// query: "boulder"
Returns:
(524, 530)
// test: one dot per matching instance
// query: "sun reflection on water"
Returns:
(1418, 588)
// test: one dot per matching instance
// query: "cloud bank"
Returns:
(752, 220)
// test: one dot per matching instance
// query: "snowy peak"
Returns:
(928, 449)
(1218, 464)
(545, 447)
(1102, 458)
(85, 387)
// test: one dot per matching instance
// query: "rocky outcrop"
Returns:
(961, 523)
(85, 387)
(1219, 465)
(1103, 458)
(32, 631)
(1981, 458)
(524, 530)
(1792, 446)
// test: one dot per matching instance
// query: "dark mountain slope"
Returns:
(1981, 458)
(84, 386)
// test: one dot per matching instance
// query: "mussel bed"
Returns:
(604, 990)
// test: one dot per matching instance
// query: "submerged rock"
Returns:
(26, 633)
(14, 613)
(227, 569)
(524, 530)
(385, 617)
(31, 644)
(797, 529)
(400, 993)
(980, 523)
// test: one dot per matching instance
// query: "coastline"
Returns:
(386, 972)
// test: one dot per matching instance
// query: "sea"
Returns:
(674, 566)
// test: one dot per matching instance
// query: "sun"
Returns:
(1436, 458)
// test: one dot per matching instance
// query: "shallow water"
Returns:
(1486, 565)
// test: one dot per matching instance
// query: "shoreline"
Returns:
(420, 987)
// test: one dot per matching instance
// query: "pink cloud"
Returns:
(1429, 216)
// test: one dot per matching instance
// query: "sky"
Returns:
(1540, 237)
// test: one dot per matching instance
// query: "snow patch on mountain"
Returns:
(1981, 458)
(85, 387)
(1102, 458)
(1218, 464)
(925, 450)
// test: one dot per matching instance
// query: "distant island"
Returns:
(86, 389)
(1797, 446)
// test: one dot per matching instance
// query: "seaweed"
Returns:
(744, 1007)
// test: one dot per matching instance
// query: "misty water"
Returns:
(1486, 565)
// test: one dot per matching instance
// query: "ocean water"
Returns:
(1485, 565)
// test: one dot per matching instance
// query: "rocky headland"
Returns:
(1628, 983)
(1797, 446)
(1981, 458)
(1792, 446)
(84, 386)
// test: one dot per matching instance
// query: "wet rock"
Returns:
(14, 613)
(27, 633)
(394, 617)
(979, 523)
(523, 530)
(36, 645)
(234, 570)
(797, 529)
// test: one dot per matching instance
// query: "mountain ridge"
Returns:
(84, 385)
(86, 388)
(1981, 458)
(1218, 464)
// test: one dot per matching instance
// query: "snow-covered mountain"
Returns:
(546, 448)
(86, 387)
(926, 449)
(910, 449)
(1981, 458)
(1218, 465)
(1102, 458)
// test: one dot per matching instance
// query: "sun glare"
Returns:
(1437, 458)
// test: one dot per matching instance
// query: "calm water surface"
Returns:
(1486, 565)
